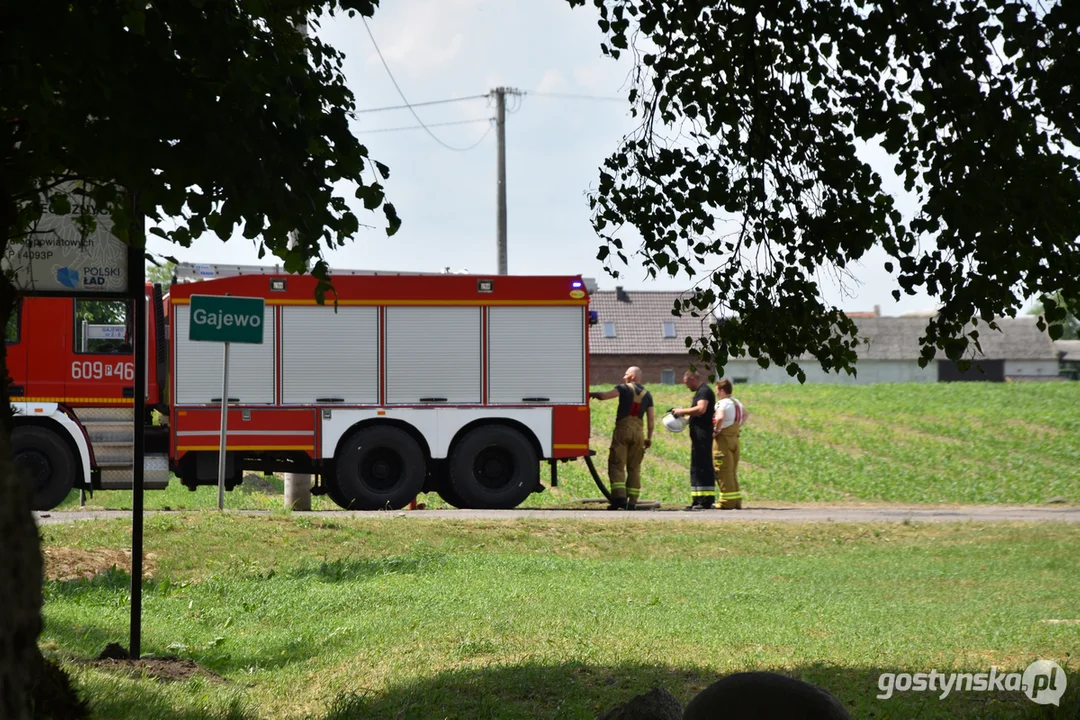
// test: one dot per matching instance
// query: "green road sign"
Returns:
(223, 318)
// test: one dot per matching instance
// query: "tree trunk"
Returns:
(20, 589)
(30, 687)
(20, 558)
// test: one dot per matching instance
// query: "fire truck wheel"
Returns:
(494, 467)
(380, 468)
(334, 493)
(47, 462)
(450, 497)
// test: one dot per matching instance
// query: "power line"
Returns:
(565, 96)
(421, 104)
(431, 124)
(406, 100)
(574, 96)
(439, 124)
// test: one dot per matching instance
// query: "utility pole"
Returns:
(500, 94)
(298, 486)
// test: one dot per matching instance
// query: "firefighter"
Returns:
(628, 441)
(727, 426)
(702, 473)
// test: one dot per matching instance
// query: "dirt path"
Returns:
(768, 512)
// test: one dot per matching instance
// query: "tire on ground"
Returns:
(334, 493)
(379, 468)
(494, 467)
(450, 497)
(46, 461)
(440, 470)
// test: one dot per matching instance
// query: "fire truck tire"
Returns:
(450, 497)
(48, 462)
(494, 468)
(380, 468)
(334, 493)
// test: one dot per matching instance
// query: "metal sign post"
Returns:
(226, 319)
(224, 431)
(136, 259)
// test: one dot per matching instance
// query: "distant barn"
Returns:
(1069, 354)
(637, 328)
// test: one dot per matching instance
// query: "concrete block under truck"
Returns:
(449, 383)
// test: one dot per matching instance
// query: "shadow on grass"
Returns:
(347, 570)
(585, 691)
(110, 696)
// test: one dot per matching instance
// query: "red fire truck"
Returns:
(452, 383)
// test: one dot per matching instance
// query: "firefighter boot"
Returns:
(617, 504)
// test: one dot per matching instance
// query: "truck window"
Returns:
(11, 333)
(102, 326)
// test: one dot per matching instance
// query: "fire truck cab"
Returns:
(72, 369)
(399, 384)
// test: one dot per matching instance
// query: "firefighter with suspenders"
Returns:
(727, 426)
(629, 441)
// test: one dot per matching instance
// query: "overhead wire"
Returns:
(409, 105)
(517, 100)
(417, 127)
(574, 96)
(488, 120)
(422, 104)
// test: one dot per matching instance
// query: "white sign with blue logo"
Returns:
(106, 332)
(56, 258)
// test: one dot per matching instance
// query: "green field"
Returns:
(996, 443)
(383, 616)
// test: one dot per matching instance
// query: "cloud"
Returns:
(424, 35)
(602, 76)
(551, 81)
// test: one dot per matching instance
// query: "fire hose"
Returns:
(641, 504)
(596, 478)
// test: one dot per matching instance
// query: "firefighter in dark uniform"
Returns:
(702, 473)
(628, 442)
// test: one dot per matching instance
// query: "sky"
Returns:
(441, 49)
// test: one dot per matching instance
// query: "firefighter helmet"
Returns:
(673, 423)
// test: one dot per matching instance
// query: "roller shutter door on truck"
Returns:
(536, 354)
(198, 365)
(433, 355)
(329, 356)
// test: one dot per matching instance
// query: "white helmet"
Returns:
(673, 423)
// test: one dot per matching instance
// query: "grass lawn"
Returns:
(994, 443)
(406, 617)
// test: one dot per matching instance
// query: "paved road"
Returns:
(778, 513)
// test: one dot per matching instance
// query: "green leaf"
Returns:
(135, 20)
(59, 204)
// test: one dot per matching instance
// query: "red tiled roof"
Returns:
(639, 323)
